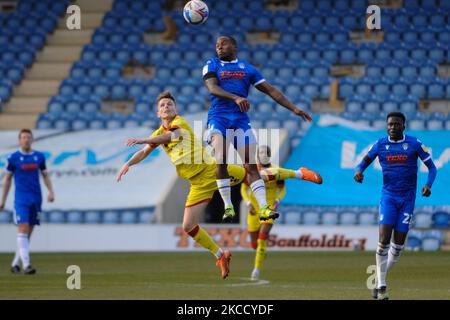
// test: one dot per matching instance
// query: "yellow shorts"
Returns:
(204, 184)
(253, 222)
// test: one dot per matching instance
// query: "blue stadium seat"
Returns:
(414, 240)
(74, 217)
(435, 125)
(416, 124)
(330, 218)
(422, 219)
(363, 89)
(110, 217)
(56, 217)
(436, 90)
(441, 220)
(311, 218)
(92, 217)
(292, 217)
(418, 89)
(348, 55)
(367, 218)
(431, 240)
(62, 124)
(79, 124)
(5, 217)
(348, 218)
(374, 71)
(347, 87)
(145, 216)
(128, 217)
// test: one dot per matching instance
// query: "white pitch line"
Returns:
(249, 283)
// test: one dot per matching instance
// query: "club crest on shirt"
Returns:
(387, 147)
(405, 146)
(241, 65)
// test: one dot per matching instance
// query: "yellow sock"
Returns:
(279, 174)
(284, 174)
(204, 239)
(260, 253)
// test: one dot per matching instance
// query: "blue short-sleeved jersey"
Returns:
(233, 76)
(26, 167)
(398, 160)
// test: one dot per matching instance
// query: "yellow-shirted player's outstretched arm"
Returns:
(135, 159)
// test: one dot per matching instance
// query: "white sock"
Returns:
(259, 190)
(16, 260)
(298, 174)
(394, 255)
(381, 258)
(23, 244)
(218, 253)
(225, 191)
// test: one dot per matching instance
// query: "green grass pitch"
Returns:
(190, 276)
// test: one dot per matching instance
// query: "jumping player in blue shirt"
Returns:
(228, 81)
(398, 154)
(24, 165)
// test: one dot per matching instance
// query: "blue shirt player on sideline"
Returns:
(228, 81)
(398, 154)
(24, 165)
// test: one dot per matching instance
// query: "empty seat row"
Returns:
(91, 217)
(435, 88)
(428, 240)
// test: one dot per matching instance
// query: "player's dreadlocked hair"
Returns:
(396, 114)
(164, 95)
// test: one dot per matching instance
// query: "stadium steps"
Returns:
(39, 88)
(60, 54)
(24, 105)
(89, 6)
(10, 121)
(52, 66)
(49, 71)
(70, 37)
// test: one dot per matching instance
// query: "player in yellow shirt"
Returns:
(193, 163)
(275, 192)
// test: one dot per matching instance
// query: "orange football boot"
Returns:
(224, 263)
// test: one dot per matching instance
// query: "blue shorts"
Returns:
(397, 211)
(27, 214)
(234, 127)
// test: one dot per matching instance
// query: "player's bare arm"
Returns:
(135, 159)
(214, 88)
(161, 139)
(49, 185)
(281, 99)
(6, 187)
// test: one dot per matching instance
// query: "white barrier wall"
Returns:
(83, 166)
(103, 238)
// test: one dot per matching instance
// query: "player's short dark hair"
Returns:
(396, 114)
(25, 131)
(165, 95)
(232, 39)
